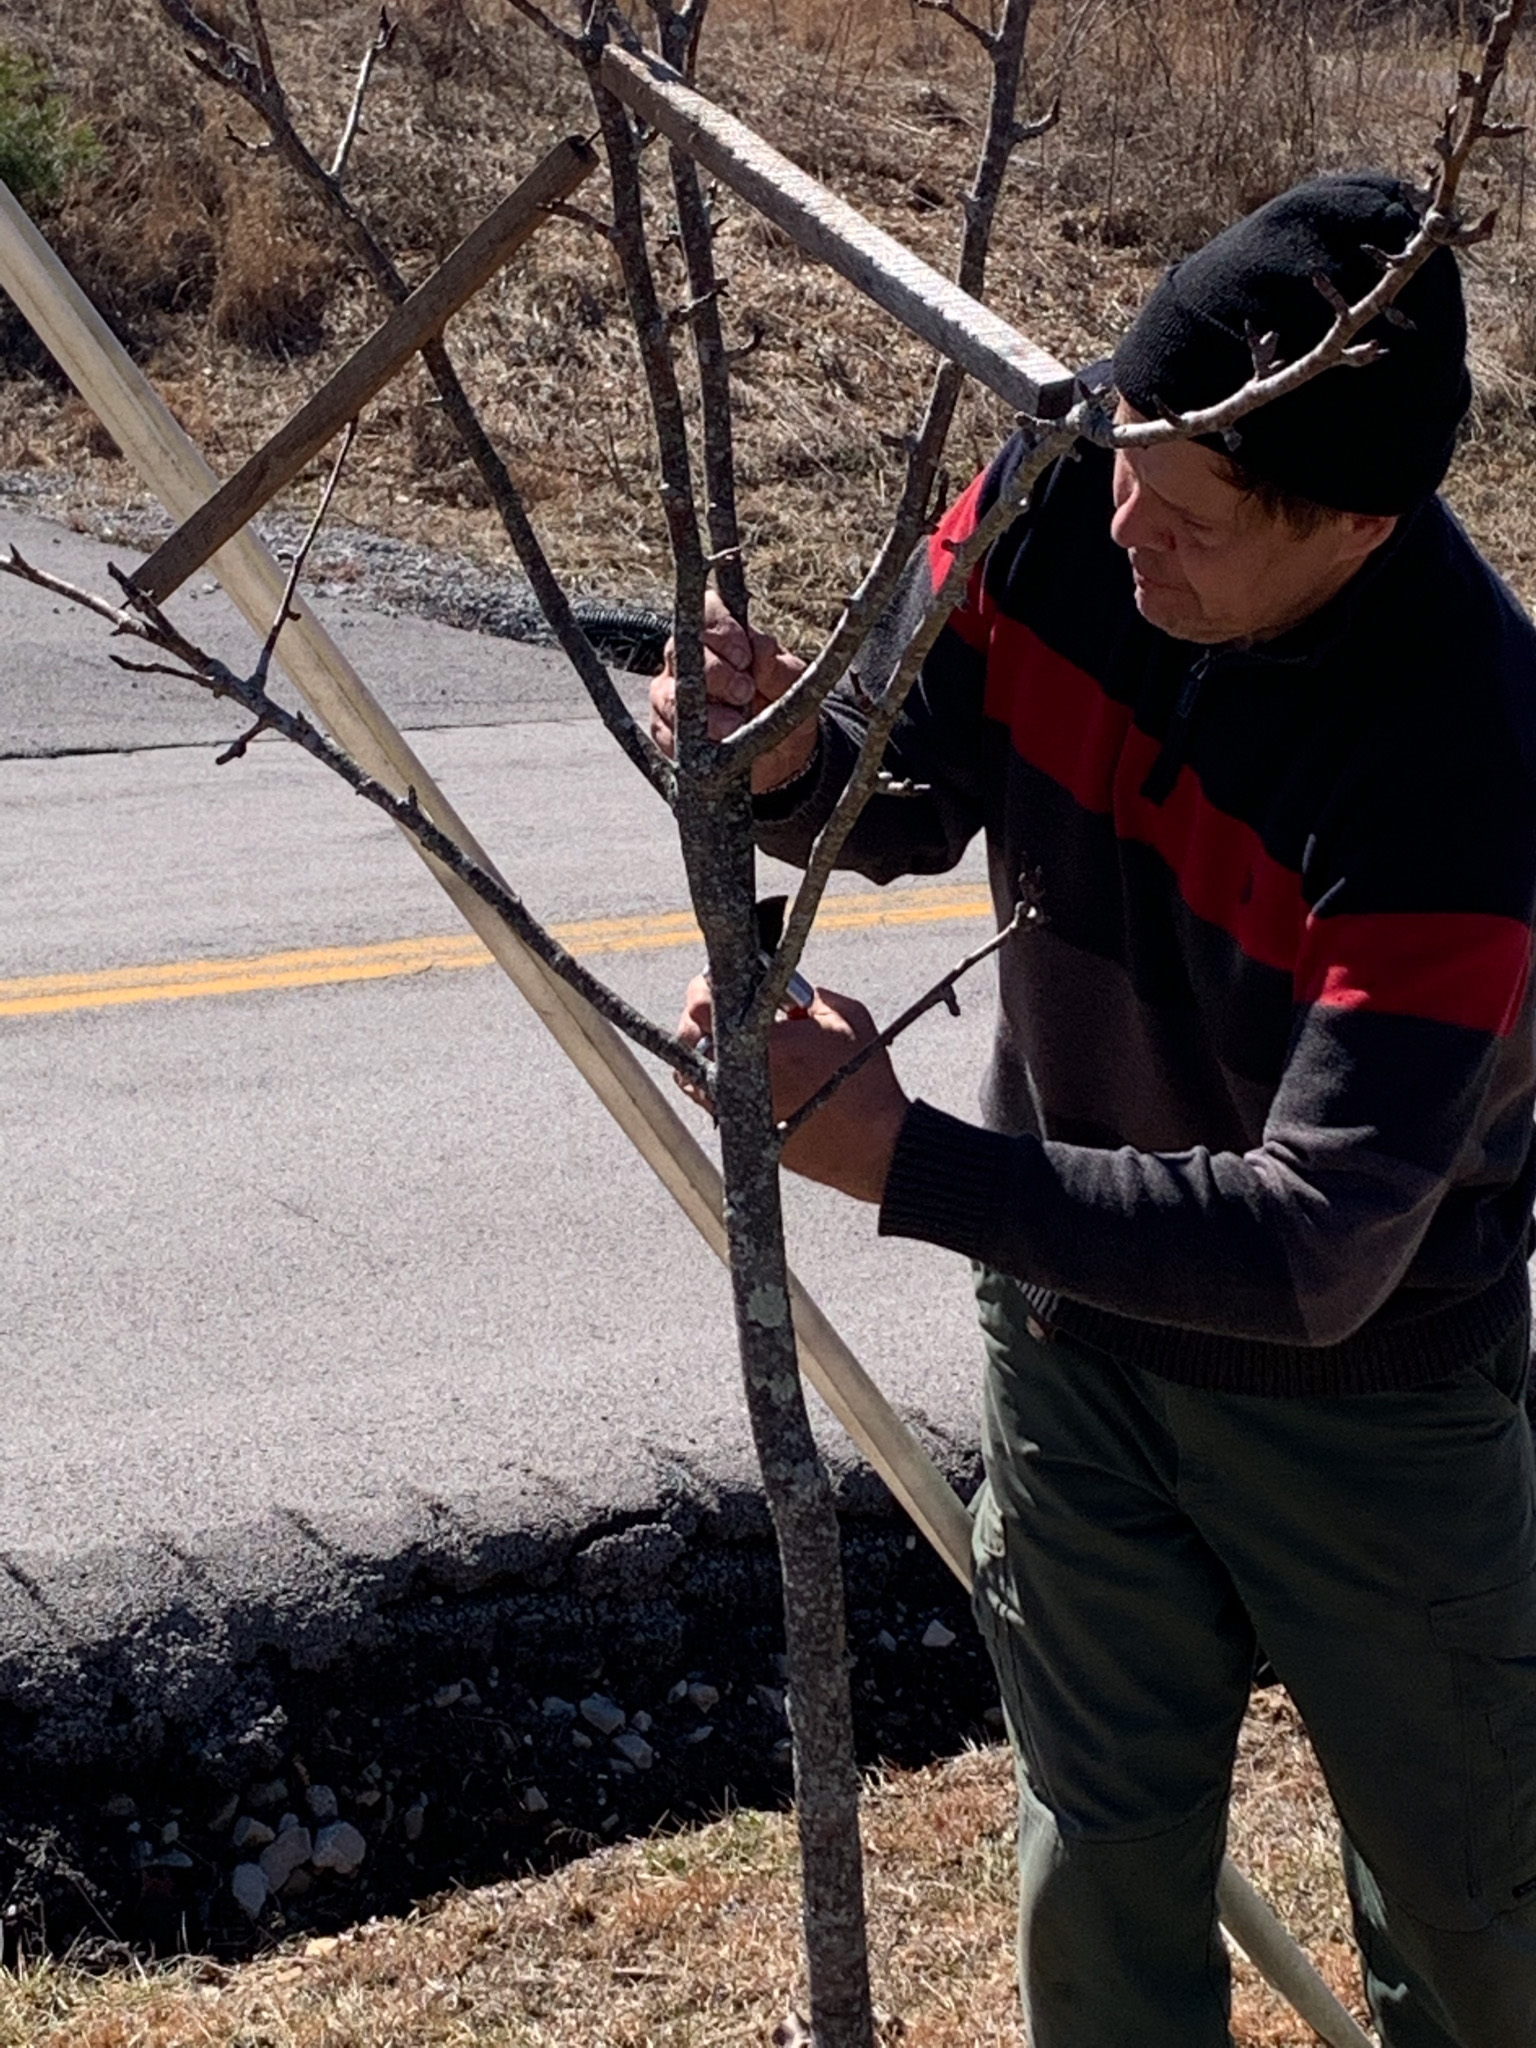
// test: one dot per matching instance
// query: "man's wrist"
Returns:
(786, 785)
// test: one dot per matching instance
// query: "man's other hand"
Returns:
(743, 673)
(849, 1142)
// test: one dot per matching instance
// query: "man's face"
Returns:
(1210, 564)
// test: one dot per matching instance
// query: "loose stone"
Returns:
(937, 1637)
(280, 1859)
(248, 1882)
(448, 1695)
(339, 1847)
(322, 1803)
(534, 1800)
(413, 1820)
(557, 1709)
(602, 1713)
(250, 1833)
(635, 1749)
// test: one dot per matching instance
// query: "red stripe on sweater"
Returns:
(972, 617)
(1465, 968)
(1063, 724)
(1455, 967)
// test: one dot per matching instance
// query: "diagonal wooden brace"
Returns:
(414, 321)
(828, 228)
(138, 420)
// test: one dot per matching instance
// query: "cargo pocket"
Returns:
(1491, 1638)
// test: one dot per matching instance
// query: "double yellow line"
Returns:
(45, 995)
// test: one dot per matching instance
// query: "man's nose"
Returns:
(1135, 523)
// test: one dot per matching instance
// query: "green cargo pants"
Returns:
(1135, 1541)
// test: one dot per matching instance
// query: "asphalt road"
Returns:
(324, 1268)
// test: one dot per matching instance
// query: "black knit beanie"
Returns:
(1376, 439)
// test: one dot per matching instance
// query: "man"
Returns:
(1251, 1206)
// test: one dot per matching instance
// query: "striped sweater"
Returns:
(1259, 1114)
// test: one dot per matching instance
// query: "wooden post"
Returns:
(828, 228)
(416, 320)
(134, 414)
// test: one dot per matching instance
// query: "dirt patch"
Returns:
(459, 1749)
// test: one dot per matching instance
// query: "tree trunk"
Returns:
(717, 843)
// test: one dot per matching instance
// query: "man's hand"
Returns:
(743, 673)
(849, 1142)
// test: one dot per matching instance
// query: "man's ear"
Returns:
(1362, 533)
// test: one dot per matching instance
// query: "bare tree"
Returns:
(708, 786)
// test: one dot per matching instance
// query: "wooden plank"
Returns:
(415, 320)
(829, 229)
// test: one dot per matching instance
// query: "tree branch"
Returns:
(263, 47)
(956, 14)
(653, 338)
(1465, 125)
(567, 42)
(284, 610)
(141, 619)
(229, 66)
(679, 33)
(1025, 913)
(383, 40)
(1054, 442)
(811, 690)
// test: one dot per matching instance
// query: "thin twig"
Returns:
(1442, 227)
(569, 43)
(285, 610)
(263, 45)
(679, 35)
(141, 619)
(668, 416)
(1025, 913)
(562, 209)
(383, 39)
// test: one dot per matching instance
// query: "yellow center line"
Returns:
(169, 981)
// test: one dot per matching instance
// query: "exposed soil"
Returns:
(451, 1722)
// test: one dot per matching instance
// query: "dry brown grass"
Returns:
(689, 1941)
(1178, 114)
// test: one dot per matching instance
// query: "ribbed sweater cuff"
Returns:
(946, 1183)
